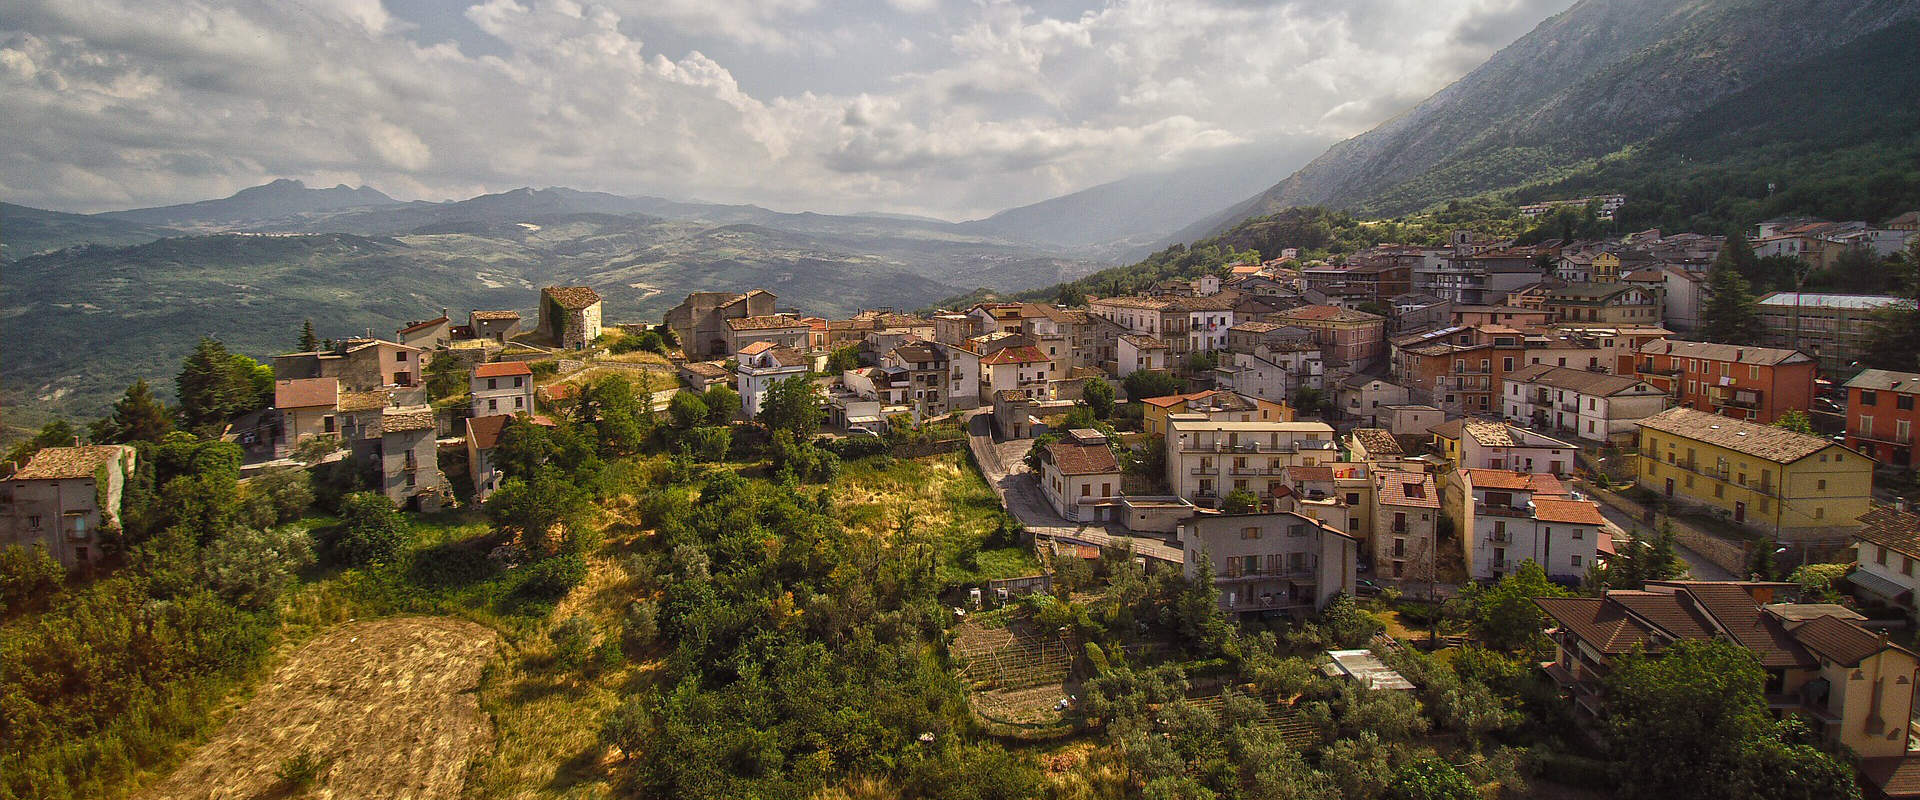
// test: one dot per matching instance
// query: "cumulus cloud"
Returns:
(954, 109)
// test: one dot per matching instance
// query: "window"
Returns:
(493, 383)
(1086, 490)
(1878, 558)
(1869, 397)
(80, 553)
(33, 521)
(519, 402)
(1507, 363)
(1904, 402)
(400, 356)
(1820, 485)
(1719, 490)
(518, 382)
(493, 404)
(1819, 512)
(326, 423)
(1249, 533)
(1398, 569)
(1753, 372)
(1576, 561)
(1353, 498)
(1906, 565)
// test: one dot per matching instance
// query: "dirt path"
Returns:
(392, 701)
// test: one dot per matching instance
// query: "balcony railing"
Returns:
(1573, 408)
(1647, 368)
(1501, 511)
(1249, 447)
(1500, 538)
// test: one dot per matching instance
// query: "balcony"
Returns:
(1571, 408)
(1286, 573)
(1249, 447)
(1647, 368)
(1500, 538)
(1264, 603)
(1257, 471)
(1502, 511)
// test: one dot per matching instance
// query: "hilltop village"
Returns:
(1410, 427)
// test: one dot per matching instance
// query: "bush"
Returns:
(552, 578)
(252, 567)
(303, 770)
(277, 497)
(1430, 779)
(372, 531)
(627, 727)
(572, 642)
(857, 446)
(27, 573)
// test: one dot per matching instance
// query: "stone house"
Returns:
(406, 456)
(360, 365)
(700, 321)
(570, 316)
(498, 326)
(307, 407)
(1406, 511)
(62, 499)
(780, 330)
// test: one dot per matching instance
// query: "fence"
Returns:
(1022, 663)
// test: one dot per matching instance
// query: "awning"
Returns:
(1879, 587)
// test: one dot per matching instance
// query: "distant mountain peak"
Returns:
(280, 197)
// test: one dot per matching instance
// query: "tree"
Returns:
(276, 497)
(27, 573)
(446, 378)
(537, 508)
(308, 341)
(1680, 722)
(1200, 361)
(1504, 615)
(252, 567)
(1430, 779)
(1098, 396)
(372, 531)
(1308, 400)
(629, 726)
(843, 358)
(1145, 383)
(1239, 501)
(723, 404)
(137, 417)
(55, 434)
(793, 405)
(687, 409)
(1731, 314)
(1795, 420)
(215, 385)
(619, 417)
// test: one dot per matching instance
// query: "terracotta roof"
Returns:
(1488, 432)
(1011, 396)
(1083, 459)
(411, 418)
(1736, 353)
(1171, 400)
(421, 326)
(918, 353)
(1329, 314)
(756, 348)
(306, 393)
(1506, 480)
(1378, 441)
(484, 432)
(1024, 354)
(768, 322)
(1778, 445)
(1149, 303)
(1145, 342)
(494, 315)
(1891, 528)
(1838, 641)
(1570, 512)
(500, 369)
(705, 369)
(1407, 489)
(1316, 474)
(572, 298)
(1602, 625)
(68, 463)
(1666, 611)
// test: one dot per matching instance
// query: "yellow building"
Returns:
(1781, 483)
(1217, 405)
(1606, 268)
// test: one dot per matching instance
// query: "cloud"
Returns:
(954, 109)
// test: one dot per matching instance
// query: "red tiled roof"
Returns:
(306, 393)
(1407, 489)
(1742, 618)
(1025, 354)
(1893, 529)
(500, 369)
(1505, 480)
(1603, 626)
(756, 348)
(1316, 474)
(1083, 459)
(1570, 512)
(1171, 400)
(1894, 776)
(484, 432)
(421, 326)
(68, 463)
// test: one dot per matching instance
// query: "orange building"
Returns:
(1881, 416)
(1460, 370)
(1738, 381)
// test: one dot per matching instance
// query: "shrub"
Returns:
(27, 573)
(627, 727)
(572, 642)
(303, 770)
(552, 578)
(372, 531)
(276, 497)
(252, 567)
(1430, 779)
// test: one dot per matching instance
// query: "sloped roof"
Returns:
(1144, 342)
(410, 418)
(362, 401)
(1570, 512)
(1083, 459)
(1507, 480)
(1736, 353)
(1378, 441)
(1891, 528)
(1023, 354)
(68, 463)
(1737, 613)
(1407, 489)
(1583, 381)
(1886, 380)
(1325, 313)
(1838, 641)
(501, 369)
(768, 322)
(493, 315)
(421, 326)
(756, 348)
(484, 432)
(306, 393)
(1602, 625)
(572, 298)
(1778, 445)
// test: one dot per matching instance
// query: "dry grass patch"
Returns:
(387, 707)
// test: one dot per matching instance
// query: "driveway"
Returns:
(1006, 471)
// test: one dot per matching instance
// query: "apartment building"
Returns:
(922, 368)
(1785, 484)
(1404, 543)
(1881, 416)
(1206, 458)
(1458, 369)
(1488, 444)
(504, 387)
(1589, 405)
(1079, 474)
(1345, 336)
(763, 364)
(1609, 303)
(1270, 564)
(1833, 328)
(1886, 556)
(1741, 381)
(1507, 518)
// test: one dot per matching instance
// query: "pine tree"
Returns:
(308, 341)
(137, 417)
(215, 384)
(1732, 315)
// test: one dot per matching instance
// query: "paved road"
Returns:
(1702, 568)
(1020, 493)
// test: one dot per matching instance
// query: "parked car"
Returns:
(1366, 588)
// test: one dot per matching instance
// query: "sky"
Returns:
(948, 108)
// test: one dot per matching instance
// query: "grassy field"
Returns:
(941, 494)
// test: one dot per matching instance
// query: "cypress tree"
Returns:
(308, 341)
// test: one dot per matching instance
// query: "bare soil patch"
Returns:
(392, 702)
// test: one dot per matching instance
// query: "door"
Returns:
(1669, 487)
(1739, 512)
